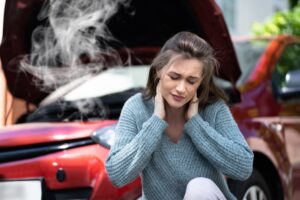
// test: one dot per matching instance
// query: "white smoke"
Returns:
(73, 43)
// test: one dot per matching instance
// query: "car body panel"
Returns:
(84, 167)
(39, 133)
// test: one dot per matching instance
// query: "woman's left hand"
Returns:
(193, 108)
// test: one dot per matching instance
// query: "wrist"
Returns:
(159, 115)
(191, 115)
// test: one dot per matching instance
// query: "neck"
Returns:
(175, 114)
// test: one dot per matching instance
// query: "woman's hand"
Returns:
(159, 107)
(193, 107)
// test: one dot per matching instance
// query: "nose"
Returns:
(180, 88)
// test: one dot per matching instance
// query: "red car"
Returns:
(58, 150)
(269, 114)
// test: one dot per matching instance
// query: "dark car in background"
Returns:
(59, 147)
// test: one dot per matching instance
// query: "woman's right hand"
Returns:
(159, 107)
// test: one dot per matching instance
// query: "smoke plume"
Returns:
(74, 41)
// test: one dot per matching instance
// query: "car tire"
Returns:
(255, 187)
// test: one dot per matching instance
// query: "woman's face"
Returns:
(180, 80)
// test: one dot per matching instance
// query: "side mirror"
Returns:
(291, 89)
(292, 79)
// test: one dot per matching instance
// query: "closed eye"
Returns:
(191, 82)
(174, 77)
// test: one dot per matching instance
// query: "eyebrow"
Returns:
(192, 77)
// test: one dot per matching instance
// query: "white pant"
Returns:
(203, 189)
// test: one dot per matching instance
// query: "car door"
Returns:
(286, 88)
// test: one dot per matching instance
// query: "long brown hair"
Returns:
(188, 45)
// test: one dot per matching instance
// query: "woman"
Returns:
(179, 135)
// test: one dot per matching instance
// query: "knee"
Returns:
(201, 181)
(203, 189)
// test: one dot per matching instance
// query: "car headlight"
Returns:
(105, 136)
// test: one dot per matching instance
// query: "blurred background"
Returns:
(241, 14)
(267, 17)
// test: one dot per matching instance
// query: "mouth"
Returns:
(177, 97)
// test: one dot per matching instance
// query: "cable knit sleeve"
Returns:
(222, 144)
(133, 148)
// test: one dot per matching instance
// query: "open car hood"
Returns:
(144, 32)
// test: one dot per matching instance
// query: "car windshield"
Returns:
(248, 53)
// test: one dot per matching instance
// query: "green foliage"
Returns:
(289, 61)
(293, 3)
(280, 23)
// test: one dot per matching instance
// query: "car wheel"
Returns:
(255, 187)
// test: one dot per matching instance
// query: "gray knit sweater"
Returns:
(211, 146)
